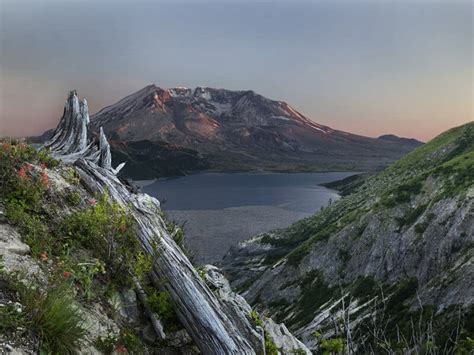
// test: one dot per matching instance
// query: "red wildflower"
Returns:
(6, 147)
(22, 173)
(92, 202)
(121, 349)
(66, 274)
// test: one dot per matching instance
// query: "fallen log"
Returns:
(212, 329)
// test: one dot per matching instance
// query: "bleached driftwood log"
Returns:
(213, 330)
(70, 137)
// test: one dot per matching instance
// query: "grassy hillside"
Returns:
(69, 261)
(402, 240)
(449, 158)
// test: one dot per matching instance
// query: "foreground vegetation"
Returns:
(87, 248)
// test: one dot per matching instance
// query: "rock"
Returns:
(10, 241)
(238, 306)
(148, 333)
(125, 304)
(15, 254)
(286, 342)
(97, 324)
(2, 213)
(10, 349)
(129, 309)
(179, 338)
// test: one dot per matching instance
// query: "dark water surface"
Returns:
(223, 209)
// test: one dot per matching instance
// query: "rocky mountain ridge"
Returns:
(241, 130)
(395, 252)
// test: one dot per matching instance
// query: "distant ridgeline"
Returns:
(389, 268)
(163, 132)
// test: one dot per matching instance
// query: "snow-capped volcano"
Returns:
(241, 130)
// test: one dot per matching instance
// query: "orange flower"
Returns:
(23, 170)
(66, 274)
(22, 173)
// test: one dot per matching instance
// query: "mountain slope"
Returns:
(241, 130)
(394, 138)
(398, 249)
(147, 160)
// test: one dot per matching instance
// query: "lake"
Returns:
(220, 209)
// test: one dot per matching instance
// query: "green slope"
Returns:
(406, 234)
(450, 157)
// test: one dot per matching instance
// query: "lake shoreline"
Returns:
(146, 182)
(220, 210)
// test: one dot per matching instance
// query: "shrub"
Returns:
(73, 198)
(295, 257)
(55, 318)
(32, 228)
(405, 290)
(127, 342)
(23, 185)
(333, 346)
(50, 314)
(160, 302)
(403, 192)
(17, 172)
(108, 230)
(83, 274)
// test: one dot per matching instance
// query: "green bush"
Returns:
(54, 318)
(403, 192)
(32, 227)
(333, 346)
(126, 343)
(24, 183)
(73, 198)
(108, 230)
(18, 177)
(50, 314)
(160, 302)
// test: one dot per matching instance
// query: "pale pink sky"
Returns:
(371, 68)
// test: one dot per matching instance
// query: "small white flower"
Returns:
(18, 307)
